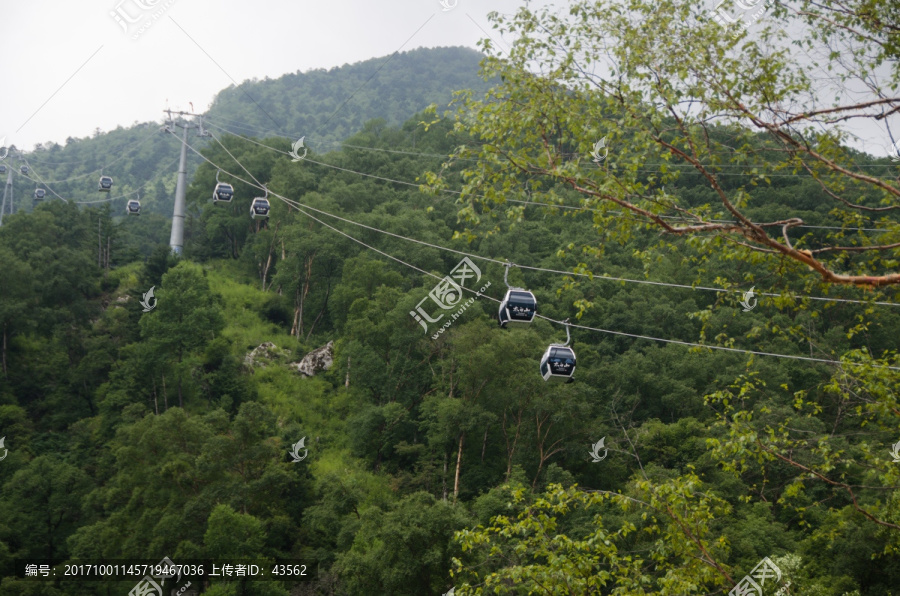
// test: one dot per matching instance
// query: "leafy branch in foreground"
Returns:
(692, 104)
(658, 539)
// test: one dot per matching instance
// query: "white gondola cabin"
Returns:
(223, 193)
(259, 209)
(517, 308)
(558, 362)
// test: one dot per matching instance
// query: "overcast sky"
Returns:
(69, 66)
(76, 57)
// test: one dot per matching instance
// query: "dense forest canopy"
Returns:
(702, 434)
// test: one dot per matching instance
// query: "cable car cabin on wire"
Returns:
(223, 193)
(2, 169)
(105, 184)
(259, 208)
(519, 305)
(558, 362)
(24, 169)
(133, 207)
(517, 308)
(39, 194)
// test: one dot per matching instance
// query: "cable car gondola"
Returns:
(259, 208)
(39, 194)
(519, 305)
(558, 362)
(105, 184)
(223, 192)
(133, 207)
(2, 169)
(24, 169)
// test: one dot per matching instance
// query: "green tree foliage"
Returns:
(441, 458)
(316, 103)
(402, 551)
(187, 319)
(536, 133)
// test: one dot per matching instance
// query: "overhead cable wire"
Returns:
(123, 154)
(299, 207)
(550, 205)
(570, 273)
(688, 167)
(162, 172)
(40, 181)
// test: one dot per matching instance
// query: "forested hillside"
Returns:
(325, 106)
(730, 400)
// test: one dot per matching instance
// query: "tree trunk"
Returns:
(87, 396)
(307, 270)
(444, 477)
(265, 270)
(347, 378)
(321, 312)
(4, 350)
(155, 398)
(297, 309)
(462, 437)
(180, 396)
(484, 442)
(511, 449)
(165, 395)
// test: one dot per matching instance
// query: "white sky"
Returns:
(52, 87)
(44, 42)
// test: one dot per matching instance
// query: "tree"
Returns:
(185, 319)
(405, 551)
(695, 100)
(660, 538)
(42, 507)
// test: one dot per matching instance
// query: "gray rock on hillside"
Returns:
(266, 351)
(316, 361)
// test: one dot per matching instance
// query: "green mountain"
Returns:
(325, 105)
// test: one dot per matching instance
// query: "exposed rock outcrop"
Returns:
(266, 351)
(316, 361)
